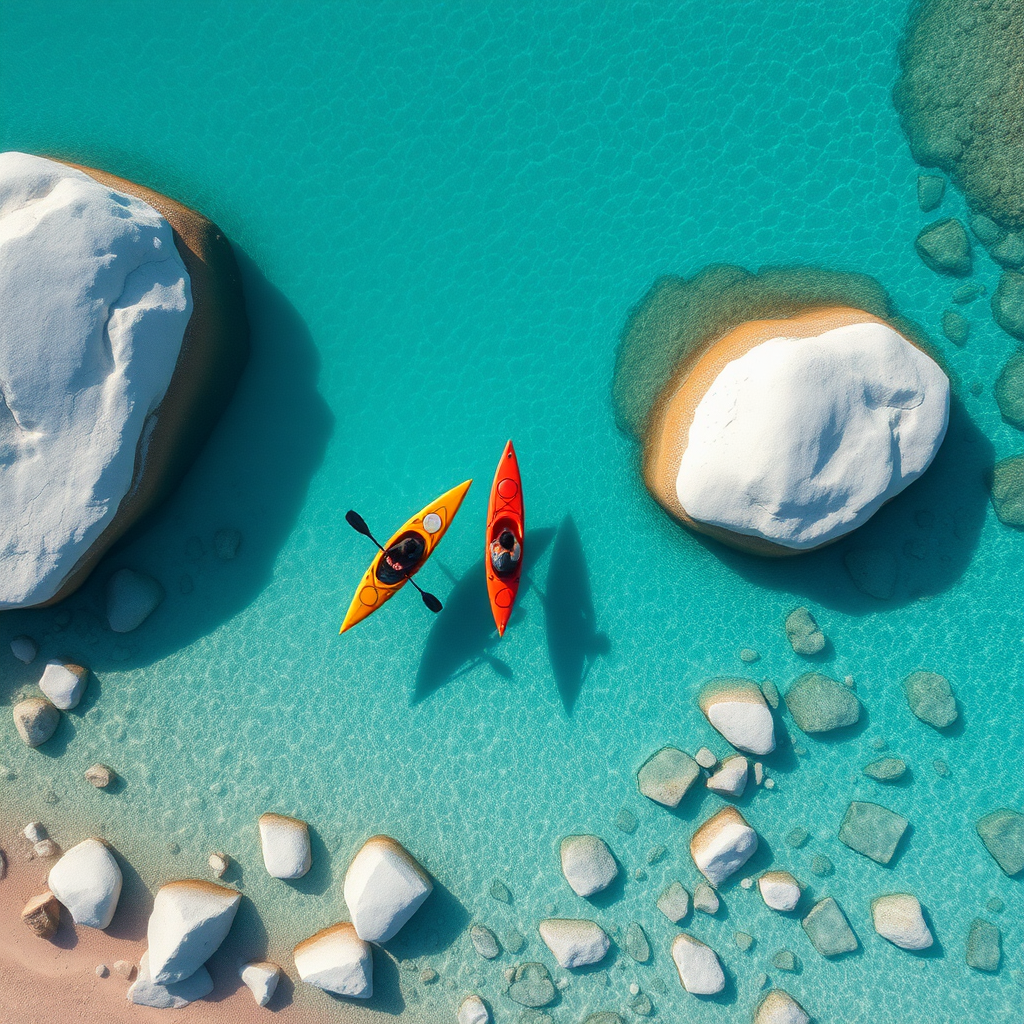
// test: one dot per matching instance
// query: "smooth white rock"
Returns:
(574, 943)
(899, 919)
(34, 831)
(473, 1011)
(801, 440)
(94, 300)
(285, 844)
(190, 919)
(700, 970)
(587, 864)
(779, 890)
(336, 960)
(384, 887)
(261, 980)
(731, 778)
(219, 863)
(25, 649)
(780, 1007)
(722, 845)
(64, 684)
(147, 992)
(131, 598)
(87, 880)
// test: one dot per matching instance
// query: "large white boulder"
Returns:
(799, 440)
(261, 980)
(64, 683)
(700, 970)
(574, 943)
(384, 887)
(87, 880)
(779, 890)
(588, 864)
(190, 919)
(898, 918)
(722, 845)
(94, 301)
(336, 960)
(737, 709)
(172, 996)
(285, 843)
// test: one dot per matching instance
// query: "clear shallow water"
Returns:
(432, 206)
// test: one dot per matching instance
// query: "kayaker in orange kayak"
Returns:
(505, 553)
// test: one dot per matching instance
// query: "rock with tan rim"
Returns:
(36, 720)
(855, 413)
(666, 776)
(384, 887)
(42, 915)
(898, 918)
(779, 1007)
(731, 778)
(285, 843)
(700, 970)
(336, 960)
(190, 919)
(100, 776)
(779, 890)
(737, 709)
(472, 1010)
(574, 943)
(722, 845)
(261, 980)
(172, 996)
(587, 864)
(87, 880)
(64, 683)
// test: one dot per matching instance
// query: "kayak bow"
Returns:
(504, 512)
(430, 523)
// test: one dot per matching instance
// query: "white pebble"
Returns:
(634, 989)
(35, 831)
(747, 883)
(769, 783)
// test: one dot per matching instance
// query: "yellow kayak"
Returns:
(380, 582)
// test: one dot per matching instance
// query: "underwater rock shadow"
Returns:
(916, 547)
(464, 632)
(574, 642)
(252, 475)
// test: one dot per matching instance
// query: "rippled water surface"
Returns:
(444, 214)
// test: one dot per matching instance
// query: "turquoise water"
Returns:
(444, 215)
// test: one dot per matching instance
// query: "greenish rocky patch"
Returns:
(1008, 490)
(1002, 832)
(771, 694)
(827, 928)
(956, 327)
(930, 189)
(743, 940)
(1008, 302)
(886, 769)
(784, 960)
(803, 633)
(931, 698)
(532, 986)
(1009, 390)
(872, 830)
(945, 248)
(821, 865)
(637, 946)
(820, 704)
(984, 946)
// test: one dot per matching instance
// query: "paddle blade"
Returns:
(431, 602)
(356, 521)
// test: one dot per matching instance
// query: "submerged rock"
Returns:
(1008, 303)
(574, 943)
(261, 980)
(131, 598)
(1009, 390)
(172, 995)
(886, 769)
(384, 886)
(499, 891)
(336, 960)
(872, 830)
(944, 247)
(821, 865)
(625, 821)
(784, 960)
(827, 928)
(87, 880)
(779, 1007)
(531, 986)
(898, 918)
(931, 698)
(36, 720)
(930, 189)
(820, 704)
(1002, 832)
(700, 970)
(705, 758)
(636, 944)
(587, 864)
(984, 946)
(666, 776)
(722, 845)
(705, 899)
(737, 709)
(956, 327)
(674, 902)
(779, 890)
(25, 649)
(226, 543)
(1008, 490)
(873, 571)
(285, 845)
(485, 942)
(803, 633)
(731, 778)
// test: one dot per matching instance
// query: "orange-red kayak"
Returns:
(504, 512)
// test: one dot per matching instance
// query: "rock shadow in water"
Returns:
(252, 475)
(574, 642)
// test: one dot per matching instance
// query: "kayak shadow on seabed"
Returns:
(464, 632)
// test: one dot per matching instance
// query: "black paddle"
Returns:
(358, 523)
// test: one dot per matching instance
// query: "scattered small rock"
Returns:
(803, 633)
(428, 976)
(968, 292)
(940, 768)
(499, 891)
(472, 1010)
(886, 769)
(485, 942)
(261, 980)
(748, 655)
(784, 960)
(36, 720)
(984, 946)
(131, 598)
(226, 543)
(945, 248)
(34, 831)
(674, 902)
(1009, 252)
(743, 940)
(731, 778)
(879, 744)
(821, 865)
(25, 649)
(641, 1005)
(987, 231)
(45, 848)
(705, 758)
(746, 883)
(587, 864)
(771, 694)
(930, 189)
(513, 941)
(827, 928)
(956, 327)
(124, 969)
(898, 918)
(797, 838)
(758, 773)
(100, 775)
(219, 864)
(42, 915)
(705, 899)
(655, 853)
(531, 986)
(666, 776)
(1002, 832)
(994, 905)
(931, 698)
(625, 821)
(102, 971)
(769, 783)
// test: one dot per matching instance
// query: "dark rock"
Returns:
(42, 915)
(1008, 303)
(803, 633)
(531, 986)
(784, 960)
(872, 830)
(797, 838)
(945, 248)
(1008, 490)
(131, 598)
(984, 946)
(1002, 832)
(513, 941)
(1010, 251)
(873, 571)
(886, 769)
(931, 698)
(827, 928)
(994, 905)
(821, 865)
(1009, 390)
(968, 292)
(930, 189)
(820, 704)
(499, 891)
(956, 327)
(625, 821)
(988, 232)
